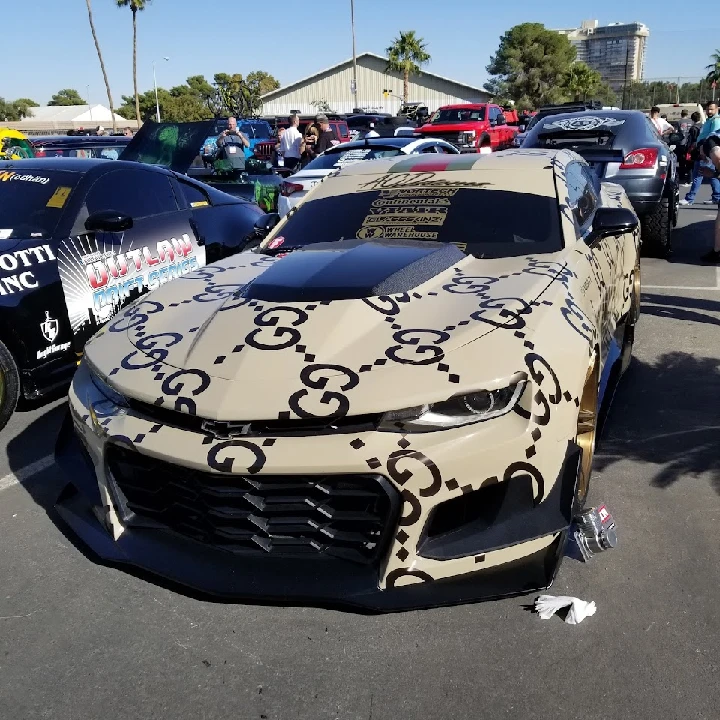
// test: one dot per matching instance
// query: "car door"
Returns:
(102, 268)
(495, 131)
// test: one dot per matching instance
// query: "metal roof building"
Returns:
(334, 87)
(54, 119)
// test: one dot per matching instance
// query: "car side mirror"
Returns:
(522, 128)
(108, 221)
(265, 224)
(610, 222)
(501, 120)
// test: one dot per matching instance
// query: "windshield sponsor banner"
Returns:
(15, 277)
(98, 281)
(584, 122)
(11, 176)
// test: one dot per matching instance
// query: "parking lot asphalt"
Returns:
(79, 640)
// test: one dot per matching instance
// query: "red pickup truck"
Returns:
(471, 127)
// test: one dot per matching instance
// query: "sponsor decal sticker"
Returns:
(199, 203)
(53, 350)
(5, 233)
(14, 276)
(11, 176)
(49, 327)
(276, 242)
(583, 122)
(59, 197)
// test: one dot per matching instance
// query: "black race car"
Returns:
(622, 146)
(80, 239)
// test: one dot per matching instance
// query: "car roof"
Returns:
(463, 106)
(79, 165)
(392, 141)
(89, 140)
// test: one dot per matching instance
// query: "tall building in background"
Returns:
(616, 51)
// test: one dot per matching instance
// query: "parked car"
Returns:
(80, 146)
(79, 239)
(383, 125)
(622, 146)
(294, 188)
(471, 127)
(392, 404)
(14, 145)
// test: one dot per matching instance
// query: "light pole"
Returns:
(352, 26)
(157, 101)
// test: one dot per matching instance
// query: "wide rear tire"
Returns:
(9, 385)
(657, 230)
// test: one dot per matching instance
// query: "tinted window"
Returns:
(581, 195)
(255, 131)
(484, 223)
(494, 112)
(343, 128)
(335, 160)
(196, 198)
(137, 193)
(32, 202)
(458, 115)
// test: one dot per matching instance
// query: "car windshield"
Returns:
(487, 222)
(255, 131)
(449, 115)
(336, 160)
(31, 202)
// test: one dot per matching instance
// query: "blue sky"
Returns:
(54, 49)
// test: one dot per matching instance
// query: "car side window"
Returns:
(195, 197)
(429, 149)
(137, 193)
(581, 196)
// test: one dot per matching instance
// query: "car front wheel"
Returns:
(9, 385)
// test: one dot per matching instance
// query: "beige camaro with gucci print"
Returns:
(391, 403)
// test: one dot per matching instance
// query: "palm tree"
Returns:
(102, 64)
(581, 80)
(406, 55)
(714, 68)
(135, 6)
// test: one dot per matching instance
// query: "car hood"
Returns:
(253, 330)
(170, 145)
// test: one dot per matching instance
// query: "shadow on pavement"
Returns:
(681, 308)
(666, 414)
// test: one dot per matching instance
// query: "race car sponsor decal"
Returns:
(351, 156)
(584, 122)
(416, 179)
(59, 197)
(436, 163)
(5, 233)
(98, 281)
(49, 327)
(402, 213)
(19, 282)
(276, 242)
(11, 176)
(53, 350)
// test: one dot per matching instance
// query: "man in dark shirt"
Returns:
(684, 126)
(319, 137)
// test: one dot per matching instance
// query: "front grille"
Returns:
(264, 149)
(331, 516)
(455, 138)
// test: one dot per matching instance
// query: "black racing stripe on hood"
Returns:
(347, 270)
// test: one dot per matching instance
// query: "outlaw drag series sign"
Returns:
(99, 280)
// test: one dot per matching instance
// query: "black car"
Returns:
(108, 147)
(622, 146)
(80, 239)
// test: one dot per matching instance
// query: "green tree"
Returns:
(581, 81)
(135, 6)
(102, 63)
(12, 111)
(530, 65)
(713, 68)
(67, 97)
(260, 82)
(405, 56)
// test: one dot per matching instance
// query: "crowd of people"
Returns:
(100, 131)
(294, 148)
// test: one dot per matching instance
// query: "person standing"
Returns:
(290, 144)
(662, 126)
(682, 151)
(711, 126)
(231, 144)
(710, 151)
(318, 138)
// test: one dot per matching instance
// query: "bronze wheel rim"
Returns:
(586, 430)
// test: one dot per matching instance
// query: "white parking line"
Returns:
(26, 473)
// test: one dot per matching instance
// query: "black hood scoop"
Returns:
(352, 269)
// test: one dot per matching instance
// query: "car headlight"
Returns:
(101, 383)
(459, 410)
(469, 137)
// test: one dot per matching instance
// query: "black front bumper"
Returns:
(316, 581)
